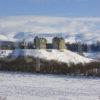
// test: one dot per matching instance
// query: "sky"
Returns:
(50, 16)
(65, 8)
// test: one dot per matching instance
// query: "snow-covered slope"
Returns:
(60, 56)
(3, 38)
(5, 53)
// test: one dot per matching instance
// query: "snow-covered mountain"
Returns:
(84, 29)
(3, 38)
(71, 38)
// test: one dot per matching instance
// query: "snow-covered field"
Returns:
(17, 86)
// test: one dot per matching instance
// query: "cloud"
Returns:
(86, 27)
(50, 24)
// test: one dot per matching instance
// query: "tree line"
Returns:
(28, 64)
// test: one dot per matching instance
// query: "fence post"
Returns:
(37, 65)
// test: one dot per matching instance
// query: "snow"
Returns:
(5, 53)
(18, 86)
(52, 54)
(8, 36)
(88, 38)
(2, 37)
(93, 55)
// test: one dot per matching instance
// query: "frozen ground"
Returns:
(15, 86)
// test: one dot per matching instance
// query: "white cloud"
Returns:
(49, 24)
(87, 27)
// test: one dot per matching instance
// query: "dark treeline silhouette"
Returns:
(73, 46)
(93, 47)
(7, 45)
(28, 64)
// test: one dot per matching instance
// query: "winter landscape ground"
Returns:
(21, 86)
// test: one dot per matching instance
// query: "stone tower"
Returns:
(40, 43)
(58, 43)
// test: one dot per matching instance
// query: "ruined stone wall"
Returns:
(40, 43)
(58, 43)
